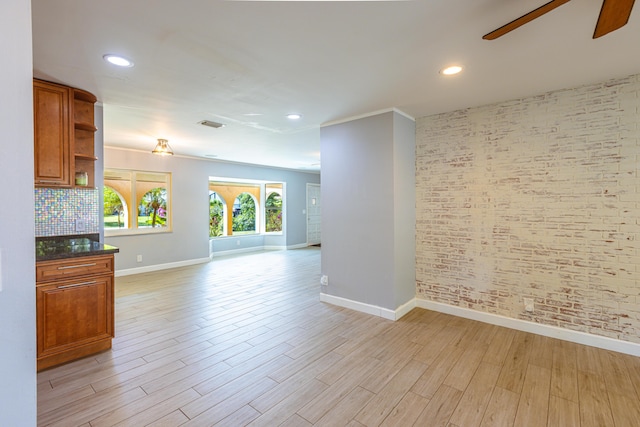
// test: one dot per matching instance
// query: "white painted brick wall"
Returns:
(536, 197)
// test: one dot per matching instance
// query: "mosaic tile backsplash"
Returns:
(58, 209)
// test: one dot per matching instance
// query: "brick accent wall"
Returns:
(536, 197)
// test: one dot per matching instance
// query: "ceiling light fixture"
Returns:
(118, 60)
(452, 70)
(162, 148)
(294, 116)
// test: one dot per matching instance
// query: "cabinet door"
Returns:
(52, 134)
(74, 313)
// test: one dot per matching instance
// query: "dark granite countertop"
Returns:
(58, 247)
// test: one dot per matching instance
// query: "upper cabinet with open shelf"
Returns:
(64, 132)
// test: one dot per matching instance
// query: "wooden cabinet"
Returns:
(52, 134)
(64, 133)
(83, 134)
(74, 308)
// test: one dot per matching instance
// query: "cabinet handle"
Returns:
(44, 181)
(66, 267)
(77, 284)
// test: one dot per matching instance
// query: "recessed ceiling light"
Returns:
(450, 71)
(294, 116)
(118, 60)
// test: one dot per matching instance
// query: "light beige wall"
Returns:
(537, 197)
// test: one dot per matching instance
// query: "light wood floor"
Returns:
(245, 341)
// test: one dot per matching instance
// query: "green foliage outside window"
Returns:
(152, 211)
(113, 209)
(244, 217)
(216, 216)
(273, 209)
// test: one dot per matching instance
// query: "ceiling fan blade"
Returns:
(524, 19)
(613, 15)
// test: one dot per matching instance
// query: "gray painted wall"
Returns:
(17, 235)
(404, 182)
(190, 194)
(367, 209)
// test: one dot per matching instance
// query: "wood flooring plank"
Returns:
(51, 401)
(594, 401)
(256, 365)
(188, 376)
(379, 407)
(444, 336)
(140, 375)
(175, 418)
(542, 351)
(476, 397)
(379, 376)
(440, 407)
(499, 346)
(623, 399)
(406, 412)
(283, 410)
(146, 410)
(429, 383)
(296, 421)
(290, 386)
(502, 408)
(465, 368)
(533, 407)
(346, 409)
(241, 417)
(321, 404)
(563, 412)
(233, 385)
(515, 364)
(564, 372)
(84, 377)
(88, 408)
(633, 368)
(223, 408)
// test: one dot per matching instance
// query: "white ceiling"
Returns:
(248, 63)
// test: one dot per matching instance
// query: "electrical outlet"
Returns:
(324, 280)
(139, 258)
(81, 225)
(528, 304)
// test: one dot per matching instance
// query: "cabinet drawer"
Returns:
(73, 267)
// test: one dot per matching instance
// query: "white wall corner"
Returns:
(374, 310)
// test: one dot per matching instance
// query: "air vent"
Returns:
(211, 124)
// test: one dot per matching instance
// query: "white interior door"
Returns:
(313, 214)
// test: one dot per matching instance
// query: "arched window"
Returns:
(273, 212)
(115, 209)
(244, 214)
(217, 215)
(152, 208)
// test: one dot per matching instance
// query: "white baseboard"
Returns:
(493, 319)
(374, 310)
(258, 248)
(158, 267)
(236, 251)
(534, 328)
